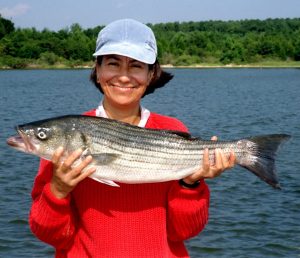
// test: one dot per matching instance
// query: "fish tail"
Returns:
(260, 159)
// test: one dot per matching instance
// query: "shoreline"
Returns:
(261, 65)
(293, 64)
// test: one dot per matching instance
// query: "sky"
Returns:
(59, 14)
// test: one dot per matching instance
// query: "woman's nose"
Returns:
(124, 74)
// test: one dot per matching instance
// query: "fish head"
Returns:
(42, 138)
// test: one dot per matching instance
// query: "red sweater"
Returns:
(133, 220)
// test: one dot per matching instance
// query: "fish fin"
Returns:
(181, 134)
(104, 181)
(261, 157)
(104, 158)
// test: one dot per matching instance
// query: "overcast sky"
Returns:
(58, 14)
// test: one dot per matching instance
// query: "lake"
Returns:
(248, 218)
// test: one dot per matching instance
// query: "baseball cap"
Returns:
(127, 37)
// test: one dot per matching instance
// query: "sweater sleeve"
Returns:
(187, 211)
(50, 218)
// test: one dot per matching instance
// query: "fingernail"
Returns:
(89, 158)
(78, 152)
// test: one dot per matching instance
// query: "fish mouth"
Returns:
(21, 142)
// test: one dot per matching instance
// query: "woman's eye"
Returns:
(112, 63)
(136, 65)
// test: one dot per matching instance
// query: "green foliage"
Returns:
(49, 58)
(185, 60)
(77, 44)
(6, 27)
(13, 62)
(186, 43)
(237, 42)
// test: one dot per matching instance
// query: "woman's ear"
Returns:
(98, 73)
(150, 76)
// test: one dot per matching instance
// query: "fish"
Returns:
(124, 153)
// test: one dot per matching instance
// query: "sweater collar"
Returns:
(145, 114)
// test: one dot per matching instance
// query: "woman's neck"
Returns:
(128, 115)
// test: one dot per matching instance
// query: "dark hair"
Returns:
(159, 78)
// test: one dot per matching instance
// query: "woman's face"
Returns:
(123, 80)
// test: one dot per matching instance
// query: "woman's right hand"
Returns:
(65, 175)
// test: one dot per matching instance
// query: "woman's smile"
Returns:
(124, 88)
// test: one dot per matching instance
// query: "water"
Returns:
(247, 217)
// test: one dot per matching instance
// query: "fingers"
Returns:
(57, 155)
(71, 159)
(79, 172)
(67, 174)
(72, 166)
(232, 159)
(201, 173)
(212, 169)
(214, 138)
(206, 162)
(84, 174)
(220, 162)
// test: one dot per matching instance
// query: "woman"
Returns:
(83, 218)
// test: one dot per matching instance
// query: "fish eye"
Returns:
(42, 133)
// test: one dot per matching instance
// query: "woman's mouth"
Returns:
(124, 88)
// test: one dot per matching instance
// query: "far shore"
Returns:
(89, 65)
(282, 65)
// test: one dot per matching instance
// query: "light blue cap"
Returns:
(127, 37)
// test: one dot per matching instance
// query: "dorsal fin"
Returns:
(181, 134)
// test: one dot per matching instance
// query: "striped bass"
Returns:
(130, 154)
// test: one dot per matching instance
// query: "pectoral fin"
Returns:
(104, 158)
(100, 158)
(105, 181)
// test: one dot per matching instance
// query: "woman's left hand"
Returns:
(209, 170)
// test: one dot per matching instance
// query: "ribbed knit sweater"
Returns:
(133, 220)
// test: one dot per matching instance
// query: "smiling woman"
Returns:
(83, 218)
(158, 79)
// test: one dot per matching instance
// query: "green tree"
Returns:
(6, 27)
(179, 43)
(78, 45)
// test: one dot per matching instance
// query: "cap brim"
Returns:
(140, 53)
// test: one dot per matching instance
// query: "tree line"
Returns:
(179, 43)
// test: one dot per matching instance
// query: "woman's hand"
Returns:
(65, 175)
(209, 170)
